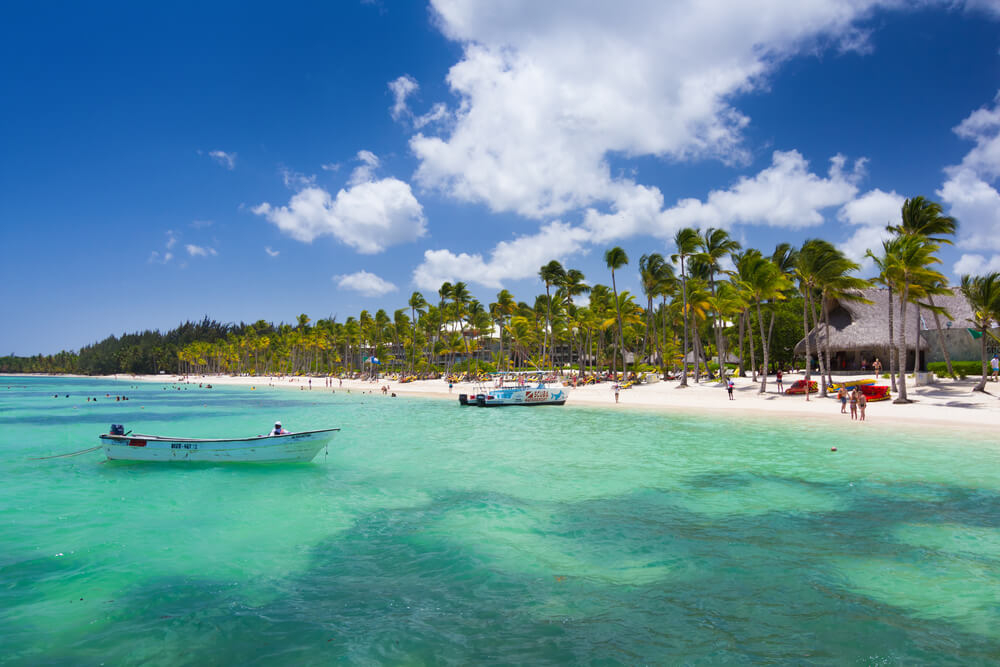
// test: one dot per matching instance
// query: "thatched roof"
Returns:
(865, 326)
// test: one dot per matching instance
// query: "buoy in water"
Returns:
(833, 449)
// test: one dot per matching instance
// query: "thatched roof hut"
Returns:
(861, 330)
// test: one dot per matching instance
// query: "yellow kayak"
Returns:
(850, 384)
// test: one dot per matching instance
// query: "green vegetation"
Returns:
(962, 368)
(693, 309)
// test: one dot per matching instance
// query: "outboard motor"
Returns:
(117, 429)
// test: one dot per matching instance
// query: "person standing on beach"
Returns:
(995, 365)
(729, 388)
(854, 404)
(842, 395)
(877, 367)
(617, 389)
(777, 377)
(862, 403)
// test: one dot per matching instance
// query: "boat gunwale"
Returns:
(159, 438)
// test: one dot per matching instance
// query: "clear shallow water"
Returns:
(435, 534)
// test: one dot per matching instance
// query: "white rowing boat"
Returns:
(301, 446)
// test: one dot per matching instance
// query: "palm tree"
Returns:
(503, 308)
(650, 275)
(983, 294)
(570, 286)
(784, 257)
(883, 264)
(666, 288)
(922, 217)
(765, 282)
(460, 299)
(808, 267)
(716, 244)
(444, 293)
(833, 280)
(616, 258)
(908, 268)
(551, 274)
(687, 241)
(418, 304)
(926, 218)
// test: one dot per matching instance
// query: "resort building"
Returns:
(859, 332)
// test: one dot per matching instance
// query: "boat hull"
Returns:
(523, 397)
(292, 447)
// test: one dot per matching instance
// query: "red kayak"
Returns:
(799, 387)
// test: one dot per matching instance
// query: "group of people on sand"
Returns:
(857, 400)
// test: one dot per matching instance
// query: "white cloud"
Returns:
(369, 216)
(437, 113)
(330, 166)
(227, 160)
(366, 283)
(875, 208)
(158, 258)
(970, 188)
(976, 265)
(271, 253)
(201, 224)
(402, 88)
(870, 213)
(199, 251)
(547, 92)
(296, 181)
(509, 260)
(988, 6)
(364, 173)
(786, 194)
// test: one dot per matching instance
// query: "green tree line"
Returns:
(710, 296)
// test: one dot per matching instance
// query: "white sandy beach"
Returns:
(945, 403)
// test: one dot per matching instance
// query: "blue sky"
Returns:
(241, 161)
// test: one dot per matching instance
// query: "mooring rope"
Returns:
(63, 456)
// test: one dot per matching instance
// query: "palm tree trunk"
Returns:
(982, 341)
(826, 347)
(902, 344)
(618, 311)
(684, 361)
(742, 324)
(715, 326)
(661, 339)
(940, 338)
(770, 331)
(805, 327)
(548, 319)
(893, 358)
(763, 340)
(695, 340)
(819, 349)
(753, 350)
(916, 347)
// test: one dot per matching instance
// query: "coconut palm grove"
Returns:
(711, 299)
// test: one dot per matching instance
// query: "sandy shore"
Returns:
(945, 403)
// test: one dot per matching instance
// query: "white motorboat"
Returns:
(523, 389)
(288, 447)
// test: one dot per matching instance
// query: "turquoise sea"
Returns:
(433, 534)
